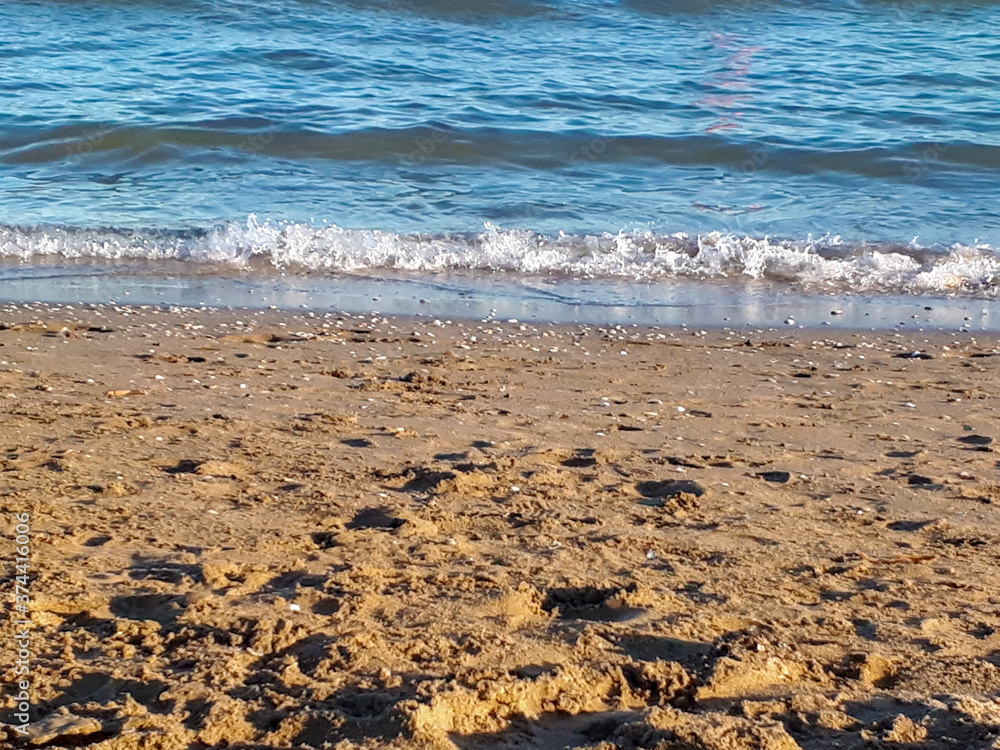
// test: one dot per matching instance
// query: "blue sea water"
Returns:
(842, 146)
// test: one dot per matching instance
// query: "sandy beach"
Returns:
(261, 529)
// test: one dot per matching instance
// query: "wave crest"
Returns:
(824, 264)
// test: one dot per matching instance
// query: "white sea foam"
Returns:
(820, 264)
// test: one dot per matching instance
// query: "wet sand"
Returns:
(268, 530)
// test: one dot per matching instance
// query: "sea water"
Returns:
(640, 160)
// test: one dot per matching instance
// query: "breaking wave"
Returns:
(807, 264)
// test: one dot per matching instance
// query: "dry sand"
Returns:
(301, 532)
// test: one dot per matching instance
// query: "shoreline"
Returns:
(679, 302)
(278, 529)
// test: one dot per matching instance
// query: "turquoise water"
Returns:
(847, 146)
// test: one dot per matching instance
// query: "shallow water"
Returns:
(842, 146)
